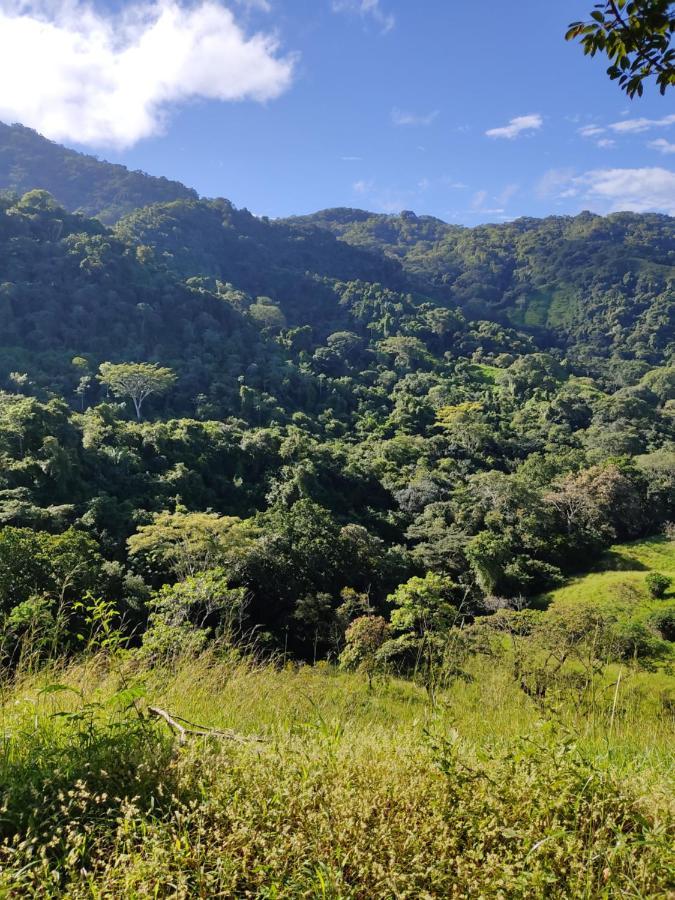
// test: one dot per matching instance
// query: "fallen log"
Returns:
(178, 726)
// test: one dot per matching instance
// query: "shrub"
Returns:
(364, 638)
(657, 584)
(664, 622)
(186, 615)
(633, 640)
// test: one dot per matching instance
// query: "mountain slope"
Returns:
(80, 183)
(597, 285)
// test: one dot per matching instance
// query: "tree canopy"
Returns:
(636, 35)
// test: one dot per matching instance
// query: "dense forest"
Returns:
(79, 182)
(353, 401)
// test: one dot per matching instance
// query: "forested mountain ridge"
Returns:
(79, 182)
(596, 284)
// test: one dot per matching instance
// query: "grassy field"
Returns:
(619, 581)
(550, 307)
(351, 793)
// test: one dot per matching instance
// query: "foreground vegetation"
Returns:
(351, 793)
(525, 754)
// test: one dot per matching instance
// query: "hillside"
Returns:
(619, 584)
(591, 284)
(349, 371)
(80, 183)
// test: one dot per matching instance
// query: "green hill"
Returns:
(619, 586)
(356, 387)
(79, 182)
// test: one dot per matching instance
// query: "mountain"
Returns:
(594, 284)
(80, 183)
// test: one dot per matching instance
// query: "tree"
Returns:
(423, 618)
(364, 638)
(636, 36)
(192, 542)
(184, 616)
(136, 380)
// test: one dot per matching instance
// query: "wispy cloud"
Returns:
(507, 193)
(401, 117)
(367, 9)
(613, 190)
(453, 184)
(350, 158)
(554, 183)
(479, 205)
(662, 145)
(78, 73)
(262, 5)
(635, 126)
(478, 199)
(594, 131)
(519, 125)
(388, 199)
(363, 187)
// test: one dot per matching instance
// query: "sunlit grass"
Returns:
(351, 793)
(620, 582)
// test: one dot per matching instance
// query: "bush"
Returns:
(657, 584)
(664, 622)
(633, 640)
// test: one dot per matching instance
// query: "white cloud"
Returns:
(350, 158)
(634, 126)
(451, 183)
(593, 131)
(553, 182)
(76, 73)
(363, 187)
(614, 190)
(478, 199)
(400, 117)
(366, 8)
(662, 145)
(517, 126)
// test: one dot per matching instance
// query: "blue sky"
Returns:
(469, 112)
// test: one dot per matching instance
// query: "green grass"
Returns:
(487, 374)
(353, 794)
(620, 580)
